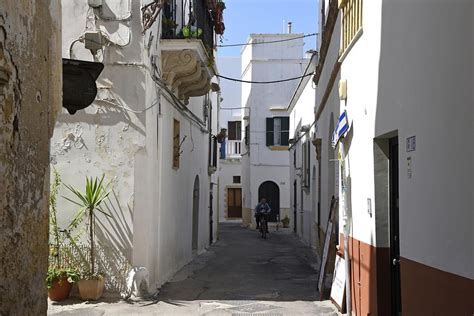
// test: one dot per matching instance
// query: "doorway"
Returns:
(195, 214)
(270, 191)
(234, 203)
(394, 227)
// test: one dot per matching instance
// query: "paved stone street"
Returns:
(241, 274)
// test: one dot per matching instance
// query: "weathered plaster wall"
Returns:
(30, 96)
(127, 134)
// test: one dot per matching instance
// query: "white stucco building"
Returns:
(230, 119)
(402, 72)
(305, 216)
(151, 131)
(265, 163)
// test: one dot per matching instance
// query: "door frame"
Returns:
(394, 219)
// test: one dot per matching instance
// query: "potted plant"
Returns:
(219, 26)
(59, 278)
(285, 221)
(91, 285)
(220, 5)
(59, 282)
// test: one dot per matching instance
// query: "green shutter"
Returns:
(285, 130)
(269, 131)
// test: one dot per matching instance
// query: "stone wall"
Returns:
(30, 96)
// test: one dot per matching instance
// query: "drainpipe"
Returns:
(346, 219)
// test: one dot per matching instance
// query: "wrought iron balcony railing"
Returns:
(184, 19)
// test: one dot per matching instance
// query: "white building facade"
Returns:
(150, 131)
(265, 163)
(404, 170)
(232, 146)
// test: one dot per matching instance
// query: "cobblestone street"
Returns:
(241, 274)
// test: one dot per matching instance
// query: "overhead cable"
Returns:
(269, 42)
(264, 82)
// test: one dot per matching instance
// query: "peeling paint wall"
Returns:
(30, 95)
(127, 134)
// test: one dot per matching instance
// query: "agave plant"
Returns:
(89, 202)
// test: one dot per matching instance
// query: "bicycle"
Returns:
(263, 226)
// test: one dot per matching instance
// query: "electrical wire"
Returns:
(264, 82)
(269, 42)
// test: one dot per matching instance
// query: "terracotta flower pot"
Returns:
(60, 290)
(91, 289)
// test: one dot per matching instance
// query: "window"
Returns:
(234, 128)
(236, 179)
(351, 22)
(278, 131)
(306, 157)
(212, 160)
(176, 144)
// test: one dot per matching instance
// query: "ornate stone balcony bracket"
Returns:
(185, 67)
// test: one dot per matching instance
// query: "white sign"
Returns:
(411, 143)
(339, 282)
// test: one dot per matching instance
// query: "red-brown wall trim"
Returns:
(425, 290)
(430, 291)
(370, 277)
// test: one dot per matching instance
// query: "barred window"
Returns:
(351, 23)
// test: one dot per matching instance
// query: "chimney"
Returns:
(289, 27)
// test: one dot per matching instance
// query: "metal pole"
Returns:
(346, 232)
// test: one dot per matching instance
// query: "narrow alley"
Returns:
(240, 274)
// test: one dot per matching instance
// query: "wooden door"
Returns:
(234, 203)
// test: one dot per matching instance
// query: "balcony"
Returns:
(187, 43)
(233, 149)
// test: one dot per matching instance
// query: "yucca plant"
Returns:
(89, 202)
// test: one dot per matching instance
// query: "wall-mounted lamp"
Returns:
(79, 88)
(342, 89)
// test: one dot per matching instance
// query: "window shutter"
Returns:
(269, 131)
(285, 131)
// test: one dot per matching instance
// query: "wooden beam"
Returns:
(326, 38)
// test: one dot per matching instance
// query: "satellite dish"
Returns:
(79, 87)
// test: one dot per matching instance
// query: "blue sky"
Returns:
(243, 17)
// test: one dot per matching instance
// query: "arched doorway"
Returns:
(270, 191)
(195, 213)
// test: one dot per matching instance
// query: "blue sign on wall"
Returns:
(341, 128)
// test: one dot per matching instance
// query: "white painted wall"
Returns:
(395, 86)
(261, 63)
(302, 114)
(153, 201)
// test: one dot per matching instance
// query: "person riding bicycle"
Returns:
(262, 209)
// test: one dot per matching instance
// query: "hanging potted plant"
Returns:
(219, 26)
(91, 285)
(59, 278)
